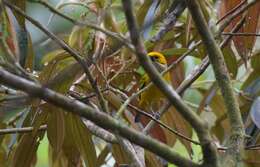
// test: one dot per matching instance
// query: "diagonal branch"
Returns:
(99, 118)
(200, 127)
(222, 76)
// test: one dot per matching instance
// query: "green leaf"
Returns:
(69, 147)
(52, 56)
(3, 156)
(255, 61)
(141, 12)
(102, 155)
(119, 154)
(22, 5)
(252, 84)
(24, 154)
(74, 36)
(64, 79)
(29, 62)
(56, 130)
(178, 52)
(255, 112)
(231, 61)
(82, 138)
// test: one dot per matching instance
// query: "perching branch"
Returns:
(99, 118)
(200, 127)
(222, 76)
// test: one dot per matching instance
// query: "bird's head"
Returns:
(158, 60)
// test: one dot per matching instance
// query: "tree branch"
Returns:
(241, 34)
(21, 130)
(99, 118)
(222, 76)
(200, 126)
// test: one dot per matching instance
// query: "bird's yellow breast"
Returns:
(152, 94)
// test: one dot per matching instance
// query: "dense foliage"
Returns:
(99, 35)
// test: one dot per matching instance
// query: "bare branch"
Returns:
(21, 130)
(222, 76)
(99, 118)
(200, 127)
(241, 34)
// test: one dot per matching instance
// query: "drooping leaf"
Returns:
(25, 152)
(102, 156)
(255, 61)
(82, 139)
(252, 84)
(3, 156)
(119, 154)
(149, 19)
(173, 119)
(231, 62)
(178, 52)
(56, 130)
(244, 44)
(69, 147)
(21, 38)
(22, 5)
(255, 111)
(30, 58)
(141, 12)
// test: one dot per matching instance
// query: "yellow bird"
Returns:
(152, 96)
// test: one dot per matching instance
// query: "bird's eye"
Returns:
(153, 58)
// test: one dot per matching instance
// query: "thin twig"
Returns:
(253, 146)
(99, 118)
(238, 12)
(100, 132)
(241, 34)
(21, 130)
(152, 118)
(231, 11)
